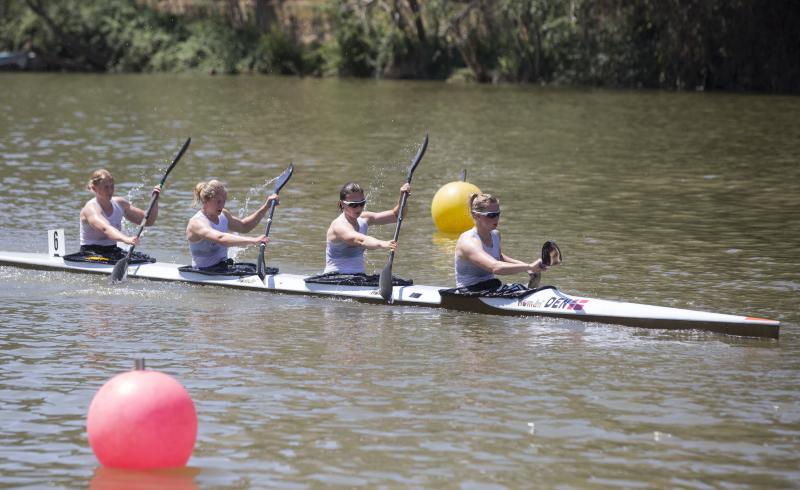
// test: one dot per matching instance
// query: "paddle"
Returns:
(385, 281)
(279, 183)
(551, 255)
(121, 267)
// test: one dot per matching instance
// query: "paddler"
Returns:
(209, 230)
(101, 219)
(478, 256)
(347, 236)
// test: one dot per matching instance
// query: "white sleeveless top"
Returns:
(468, 273)
(90, 236)
(206, 253)
(344, 258)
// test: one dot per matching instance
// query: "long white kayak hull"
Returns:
(547, 301)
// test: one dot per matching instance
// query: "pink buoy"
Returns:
(141, 420)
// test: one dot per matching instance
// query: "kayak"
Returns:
(547, 301)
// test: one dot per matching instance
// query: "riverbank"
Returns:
(714, 45)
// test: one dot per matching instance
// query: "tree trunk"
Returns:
(266, 14)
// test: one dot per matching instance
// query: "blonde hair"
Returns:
(206, 191)
(97, 176)
(480, 202)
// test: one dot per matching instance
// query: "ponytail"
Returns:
(206, 191)
(479, 202)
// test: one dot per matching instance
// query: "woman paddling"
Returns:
(101, 222)
(209, 229)
(347, 238)
(478, 257)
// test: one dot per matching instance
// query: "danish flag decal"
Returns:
(562, 303)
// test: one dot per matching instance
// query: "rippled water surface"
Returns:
(686, 200)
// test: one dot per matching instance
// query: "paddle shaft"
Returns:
(279, 183)
(269, 217)
(404, 197)
(262, 245)
(403, 200)
(155, 194)
(385, 279)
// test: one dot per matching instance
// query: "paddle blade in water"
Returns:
(120, 270)
(260, 265)
(533, 282)
(385, 283)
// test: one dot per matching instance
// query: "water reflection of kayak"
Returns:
(546, 301)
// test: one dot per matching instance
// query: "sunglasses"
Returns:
(355, 204)
(488, 214)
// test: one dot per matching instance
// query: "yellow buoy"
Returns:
(450, 207)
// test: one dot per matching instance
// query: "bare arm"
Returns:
(470, 249)
(247, 224)
(512, 260)
(342, 232)
(197, 230)
(136, 215)
(92, 215)
(390, 215)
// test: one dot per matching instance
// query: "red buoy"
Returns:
(140, 420)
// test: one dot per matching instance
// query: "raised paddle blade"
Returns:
(261, 266)
(283, 178)
(385, 280)
(120, 271)
(551, 255)
(417, 158)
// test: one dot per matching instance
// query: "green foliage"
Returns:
(676, 44)
(352, 52)
(18, 24)
(275, 53)
(210, 46)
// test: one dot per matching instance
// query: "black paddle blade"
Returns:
(385, 282)
(260, 265)
(533, 282)
(283, 178)
(551, 254)
(417, 158)
(120, 270)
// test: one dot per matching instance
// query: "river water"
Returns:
(686, 200)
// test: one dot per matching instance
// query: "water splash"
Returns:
(256, 193)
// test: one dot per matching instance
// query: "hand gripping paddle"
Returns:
(385, 281)
(279, 183)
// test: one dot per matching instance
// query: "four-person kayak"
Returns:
(546, 301)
